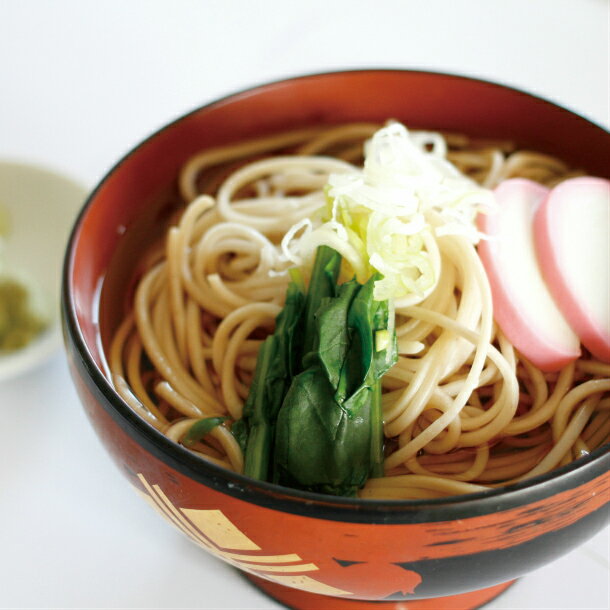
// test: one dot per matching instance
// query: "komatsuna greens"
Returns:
(313, 417)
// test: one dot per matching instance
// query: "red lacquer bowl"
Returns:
(302, 547)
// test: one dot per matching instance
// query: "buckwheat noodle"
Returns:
(463, 411)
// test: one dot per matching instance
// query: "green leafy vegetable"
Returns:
(278, 361)
(313, 417)
(319, 447)
(329, 429)
(201, 428)
(323, 284)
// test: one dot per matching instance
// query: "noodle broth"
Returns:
(119, 281)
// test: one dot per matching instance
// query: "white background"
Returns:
(81, 82)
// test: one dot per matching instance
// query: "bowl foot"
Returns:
(302, 600)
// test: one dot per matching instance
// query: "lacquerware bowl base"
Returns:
(301, 600)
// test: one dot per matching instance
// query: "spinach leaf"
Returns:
(330, 428)
(323, 284)
(313, 419)
(319, 447)
(277, 362)
(334, 335)
(255, 415)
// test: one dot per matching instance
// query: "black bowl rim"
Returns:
(292, 500)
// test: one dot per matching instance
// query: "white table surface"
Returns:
(80, 83)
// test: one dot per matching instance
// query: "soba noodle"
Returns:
(463, 411)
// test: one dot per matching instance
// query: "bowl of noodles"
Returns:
(288, 345)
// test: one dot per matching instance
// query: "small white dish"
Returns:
(39, 206)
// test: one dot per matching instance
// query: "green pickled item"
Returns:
(19, 325)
